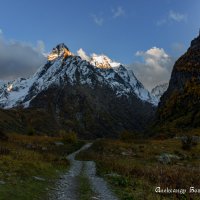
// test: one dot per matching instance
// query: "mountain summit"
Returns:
(59, 50)
(98, 96)
(63, 67)
(102, 61)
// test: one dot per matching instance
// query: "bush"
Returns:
(62, 133)
(3, 136)
(188, 142)
(30, 131)
(126, 136)
(121, 181)
(70, 137)
(4, 151)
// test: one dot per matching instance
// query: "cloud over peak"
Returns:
(18, 59)
(83, 54)
(155, 68)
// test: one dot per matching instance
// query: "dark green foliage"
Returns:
(129, 135)
(126, 135)
(188, 142)
(179, 108)
(3, 136)
(89, 113)
(70, 137)
(4, 151)
(121, 181)
(28, 121)
(30, 131)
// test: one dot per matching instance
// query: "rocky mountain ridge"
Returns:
(159, 90)
(180, 105)
(75, 94)
(61, 65)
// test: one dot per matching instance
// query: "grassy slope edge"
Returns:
(133, 170)
(30, 165)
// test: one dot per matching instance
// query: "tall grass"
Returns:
(138, 161)
(24, 157)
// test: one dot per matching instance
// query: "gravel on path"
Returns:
(67, 187)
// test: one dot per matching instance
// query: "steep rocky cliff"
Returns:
(179, 107)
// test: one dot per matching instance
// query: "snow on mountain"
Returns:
(3, 87)
(102, 61)
(64, 68)
(60, 50)
(159, 90)
(2, 84)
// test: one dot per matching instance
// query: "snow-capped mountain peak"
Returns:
(58, 51)
(65, 69)
(9, 88)
(102, 61)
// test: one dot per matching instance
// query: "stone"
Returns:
(167, 158)
(38, 178)
(2, 182)
(58, 143)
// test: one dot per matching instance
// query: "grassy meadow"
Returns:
(134, 168)
(30, 165)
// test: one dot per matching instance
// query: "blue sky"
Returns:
(72, 22)
(117, 28)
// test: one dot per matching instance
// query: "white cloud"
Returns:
(40, 46)
(118, 12)
(172, 16)
(178, 17)
(98, 20)
(83, 54)
(155, 68)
